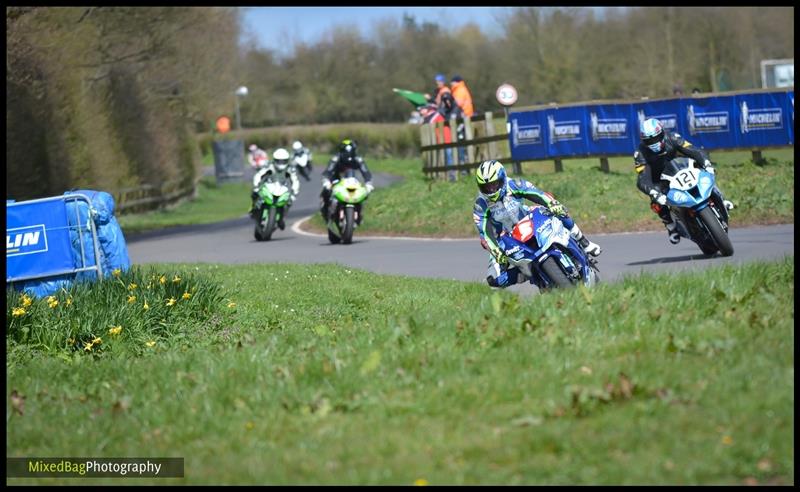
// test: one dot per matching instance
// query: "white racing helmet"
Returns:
(297, 146)
(281, 159)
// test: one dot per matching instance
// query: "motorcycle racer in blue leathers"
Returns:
(498, 207)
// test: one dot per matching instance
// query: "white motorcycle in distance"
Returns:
(303, 165)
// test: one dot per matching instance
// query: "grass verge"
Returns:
(599, 202)
(325, 375)
(214, 203)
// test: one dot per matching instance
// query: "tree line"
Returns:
(550, 54)
(108, 97)
(111, 97)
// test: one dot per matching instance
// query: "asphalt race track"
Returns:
(232, 242)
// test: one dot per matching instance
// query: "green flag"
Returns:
(415, 98)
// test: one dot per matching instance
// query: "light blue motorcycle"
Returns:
(696, 206)
(541, 248)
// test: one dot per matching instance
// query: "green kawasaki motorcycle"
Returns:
(345, 208)
(272, 205)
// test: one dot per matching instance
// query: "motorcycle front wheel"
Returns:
(555, 273)
(260, 231)
(716, 231)
(349, 222)
(264, 228)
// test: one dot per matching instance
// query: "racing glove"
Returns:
(326, 184)
(708, 166)
(658, 197)
(369, 187)
(558, 209)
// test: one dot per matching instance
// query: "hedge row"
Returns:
(377, 140)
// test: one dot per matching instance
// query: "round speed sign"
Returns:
(506, 94)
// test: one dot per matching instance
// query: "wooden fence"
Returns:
(152, 197)
(480, 143)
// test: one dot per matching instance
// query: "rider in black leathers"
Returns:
(658, 146)
(345, 160)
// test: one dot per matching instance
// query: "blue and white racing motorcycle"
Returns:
(696, 206)
(543, 250)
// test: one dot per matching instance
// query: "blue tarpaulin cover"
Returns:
(111, 243)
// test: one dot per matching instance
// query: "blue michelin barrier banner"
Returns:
(37, 240)
(609, 128)
(751, 120)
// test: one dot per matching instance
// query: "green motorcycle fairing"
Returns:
(349, 190)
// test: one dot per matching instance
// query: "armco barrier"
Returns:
(751, 120)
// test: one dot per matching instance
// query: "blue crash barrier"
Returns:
(747, 120)
(53, 242)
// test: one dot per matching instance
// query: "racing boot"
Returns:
(253, 211)
(672, 231)
(589, 247)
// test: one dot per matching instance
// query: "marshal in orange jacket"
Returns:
(462, 96)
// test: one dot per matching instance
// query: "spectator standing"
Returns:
(462, 95)
(463, 99)
(441, 88)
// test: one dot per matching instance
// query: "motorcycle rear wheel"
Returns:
(333, 238)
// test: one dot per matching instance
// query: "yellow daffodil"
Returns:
(146, 306)
(116, 272)
(97, 341)
(69, 301)
(171, 301)
(71, 341)
(131, 299)
(176, 279)
(420, 482)
(52, 302)
(163, 279)
(132, 286)
(87, 346)
(115, 330)
(231, 304)
(186, 295)
(18, 311)
(26, 301)
(150, 343)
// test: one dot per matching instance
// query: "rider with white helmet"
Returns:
(279, 166)
(658, 146)
(300, 151)
(497, 208)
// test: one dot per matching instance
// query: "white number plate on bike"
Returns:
(685, 179)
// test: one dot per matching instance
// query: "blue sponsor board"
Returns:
(37, 240)
(527, 135)
(610, 128)
(752, 120)
(566, 131)
(710, 121)
(763, 120)
(789, 105)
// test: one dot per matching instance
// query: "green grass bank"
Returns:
(286, 374)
